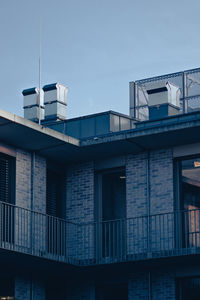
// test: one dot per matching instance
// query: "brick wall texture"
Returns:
(26, 289)
(80, 209)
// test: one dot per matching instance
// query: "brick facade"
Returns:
(80, 210)
(23, 179)
(163, 286)
(161, 182)
(138, 287)
(22, 289)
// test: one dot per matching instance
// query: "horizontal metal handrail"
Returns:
(36, 212)
(137, 217)
(140, 237)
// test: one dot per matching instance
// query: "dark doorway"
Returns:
(115, 292)
(55, 209)
(111, 213)
(113, 196)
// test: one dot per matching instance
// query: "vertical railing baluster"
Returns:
(1, 224)
(195, 230)
(61, 238)
(109, 239)
(8, 221)
(21, 232)
(159, 229)
(121, 242)
(104, 239)
(53, 236)
(24, 230)
(187, 217)
(113, 238)
(25, 240)
(168, 231)
(198, 228)
(163, 231)
(137, 236)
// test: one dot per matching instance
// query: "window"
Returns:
(189, 201)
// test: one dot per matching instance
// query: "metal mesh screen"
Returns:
(188, 82)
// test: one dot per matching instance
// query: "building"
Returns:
(105, 206)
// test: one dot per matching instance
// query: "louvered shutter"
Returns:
(6, 179)
(7, 193)
(54, 194)
(51, 194)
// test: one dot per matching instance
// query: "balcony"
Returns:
(125, 240)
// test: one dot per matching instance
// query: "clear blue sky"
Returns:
(95, 47)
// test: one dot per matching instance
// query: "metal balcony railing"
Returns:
(34, 233)
(122, 240)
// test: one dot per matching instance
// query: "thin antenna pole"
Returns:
(40, 69)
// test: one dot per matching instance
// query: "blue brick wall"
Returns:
(80, 209)
(30, 235)
(163, 286)
(136, 185)
(38, 290)
(161, 200)
(39, 201)
(138, 287)
(26, 289)
(80, 193)
(23, 179)
(22, 289)
(39, 204)
(160, 285)
(23, 199)
(136, 202)
(161, 181)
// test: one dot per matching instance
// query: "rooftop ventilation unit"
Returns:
(163, 99)
(33, 104)
(55, 101)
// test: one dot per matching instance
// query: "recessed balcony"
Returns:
(106, 242)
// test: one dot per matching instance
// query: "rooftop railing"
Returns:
(123, 240)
